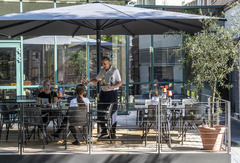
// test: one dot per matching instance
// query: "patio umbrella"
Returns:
(97, 18)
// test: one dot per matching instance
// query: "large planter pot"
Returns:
(212, 138)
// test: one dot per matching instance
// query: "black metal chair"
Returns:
(8, 116)
(193, 116)
(108, 119)
(77, 116)
(151, 118)
(33, 117)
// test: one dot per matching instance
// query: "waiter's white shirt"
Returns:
(112, 72)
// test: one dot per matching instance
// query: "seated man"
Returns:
(47, 97)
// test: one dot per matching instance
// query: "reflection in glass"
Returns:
(7, 66)
(7, 94)
(38, 60)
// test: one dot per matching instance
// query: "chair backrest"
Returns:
(152, 113)
(4, 112)
(77, 116)
(32, 116)
(194, 112)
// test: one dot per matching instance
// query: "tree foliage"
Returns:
(77, 59)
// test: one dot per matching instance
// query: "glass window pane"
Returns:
(37, 5)
(140, 59)
(8, 7)
(166, 63)
(29, 94)
(6, 94)
(113, 47)
(38, 59)
(71, 59)
(7, 66)
(117, 53)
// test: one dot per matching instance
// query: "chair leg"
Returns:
(1, 127)
(183, 132)
(110, 130)
(7, 127)
(65, 136)
(83, 132)
(43, 137)
(146, 131)
(169, 134)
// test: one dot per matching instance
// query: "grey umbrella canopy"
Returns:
(88, 18)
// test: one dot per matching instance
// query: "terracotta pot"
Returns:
(212, 138)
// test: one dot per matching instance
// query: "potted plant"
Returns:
(212, 53)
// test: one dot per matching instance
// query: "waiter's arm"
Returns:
(118, 84)
(93, 81)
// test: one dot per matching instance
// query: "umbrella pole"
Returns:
(99, 55)
(99, 59)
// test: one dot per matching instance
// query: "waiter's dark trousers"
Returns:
(105, 98)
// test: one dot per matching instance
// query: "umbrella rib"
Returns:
(1, 34)
(127, 30)
(104, 23)
(187, 24)
(15, 24)
(76, 31)
(109, 24)
(118, 23)
(163, 25)
(77, 23)
(117, 10)
(18, 34)
(89, 24)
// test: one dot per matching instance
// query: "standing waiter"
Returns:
(111, 81)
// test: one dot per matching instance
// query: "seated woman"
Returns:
(47, 97)
(80, 101)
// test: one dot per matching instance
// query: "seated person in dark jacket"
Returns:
(47, 97)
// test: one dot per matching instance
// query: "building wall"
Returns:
(235, 80)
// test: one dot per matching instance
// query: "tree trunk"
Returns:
(213, 100)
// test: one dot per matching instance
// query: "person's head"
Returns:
(106, 62)
(80, 89)
(46, 85)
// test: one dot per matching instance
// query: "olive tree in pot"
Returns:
(213, 53)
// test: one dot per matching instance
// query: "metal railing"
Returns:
(150, 128)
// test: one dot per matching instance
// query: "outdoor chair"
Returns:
(8, 116)
(194, 115)
(151, 119)
(77, 116)
(108, 119)
(33, 117)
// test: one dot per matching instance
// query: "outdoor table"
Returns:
(56, 113)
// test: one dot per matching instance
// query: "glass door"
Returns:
(10, 70)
